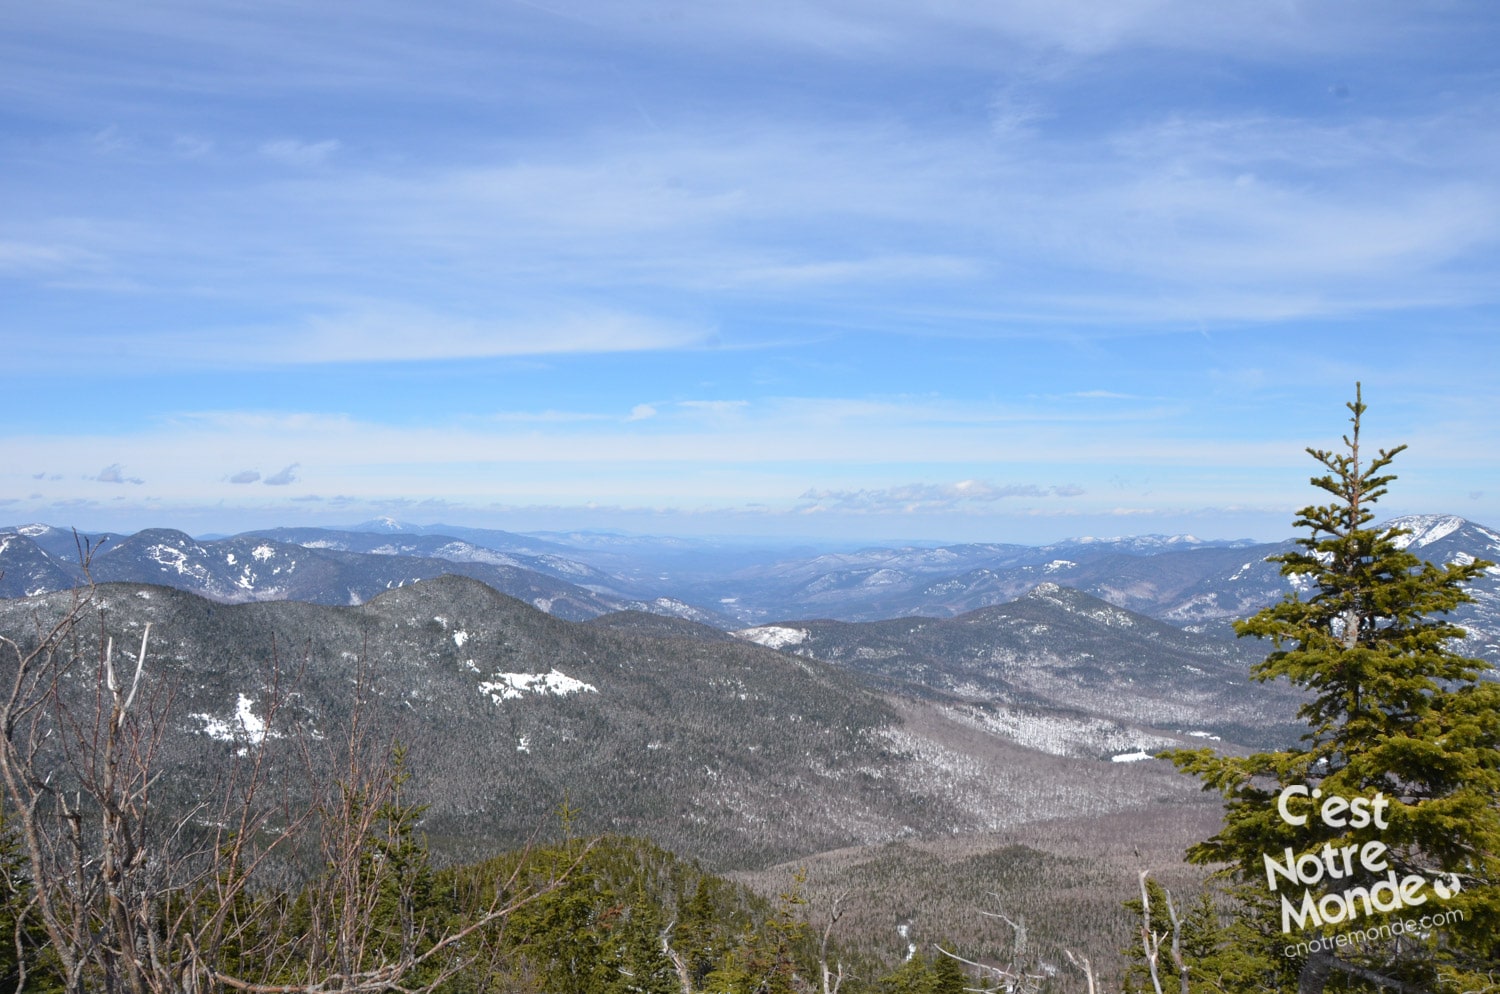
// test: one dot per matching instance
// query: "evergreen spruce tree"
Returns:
(948, 977)
(25, 961)
(1395, 718)
(765, 960)
(704, 929)
(936, 974)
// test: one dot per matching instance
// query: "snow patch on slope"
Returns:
(508, 686)
(1056, 734)
(463, 552)
(773, 636)
(243, 726)
(175, 559)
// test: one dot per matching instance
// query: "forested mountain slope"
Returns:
(727, 751)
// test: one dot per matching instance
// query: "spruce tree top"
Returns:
(1370, 641)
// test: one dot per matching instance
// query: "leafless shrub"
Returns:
(139, 896)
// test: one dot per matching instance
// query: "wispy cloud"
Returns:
(46, 258)
(915, 498)
(1218, 211)
(298, 153)
(398, 333)
(390, 333)
(192, 147)
(715, 408)
(894, 224)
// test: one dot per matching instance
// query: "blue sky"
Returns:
(946, 271)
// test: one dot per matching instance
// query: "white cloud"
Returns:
(298, 153)
(115, 473)
(282, 478)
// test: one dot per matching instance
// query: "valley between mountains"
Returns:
(910, 725)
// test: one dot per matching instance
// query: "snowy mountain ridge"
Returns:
(1182, 580)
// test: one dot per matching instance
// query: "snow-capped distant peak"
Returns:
(1144, 541)
(1425, 529)
(1165, 541)
(385, 523)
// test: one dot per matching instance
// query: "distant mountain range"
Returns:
(1180, 580)
(320, 566)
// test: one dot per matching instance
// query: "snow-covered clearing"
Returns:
(773, 636)
(508, 686)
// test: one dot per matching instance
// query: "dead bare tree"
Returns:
(1151, 939)
(832, 979)
(997, 979)
(1011, 977)
(81, 827)
(1082, 963)
(678, 961)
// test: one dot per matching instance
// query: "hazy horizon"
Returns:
(821, 541)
